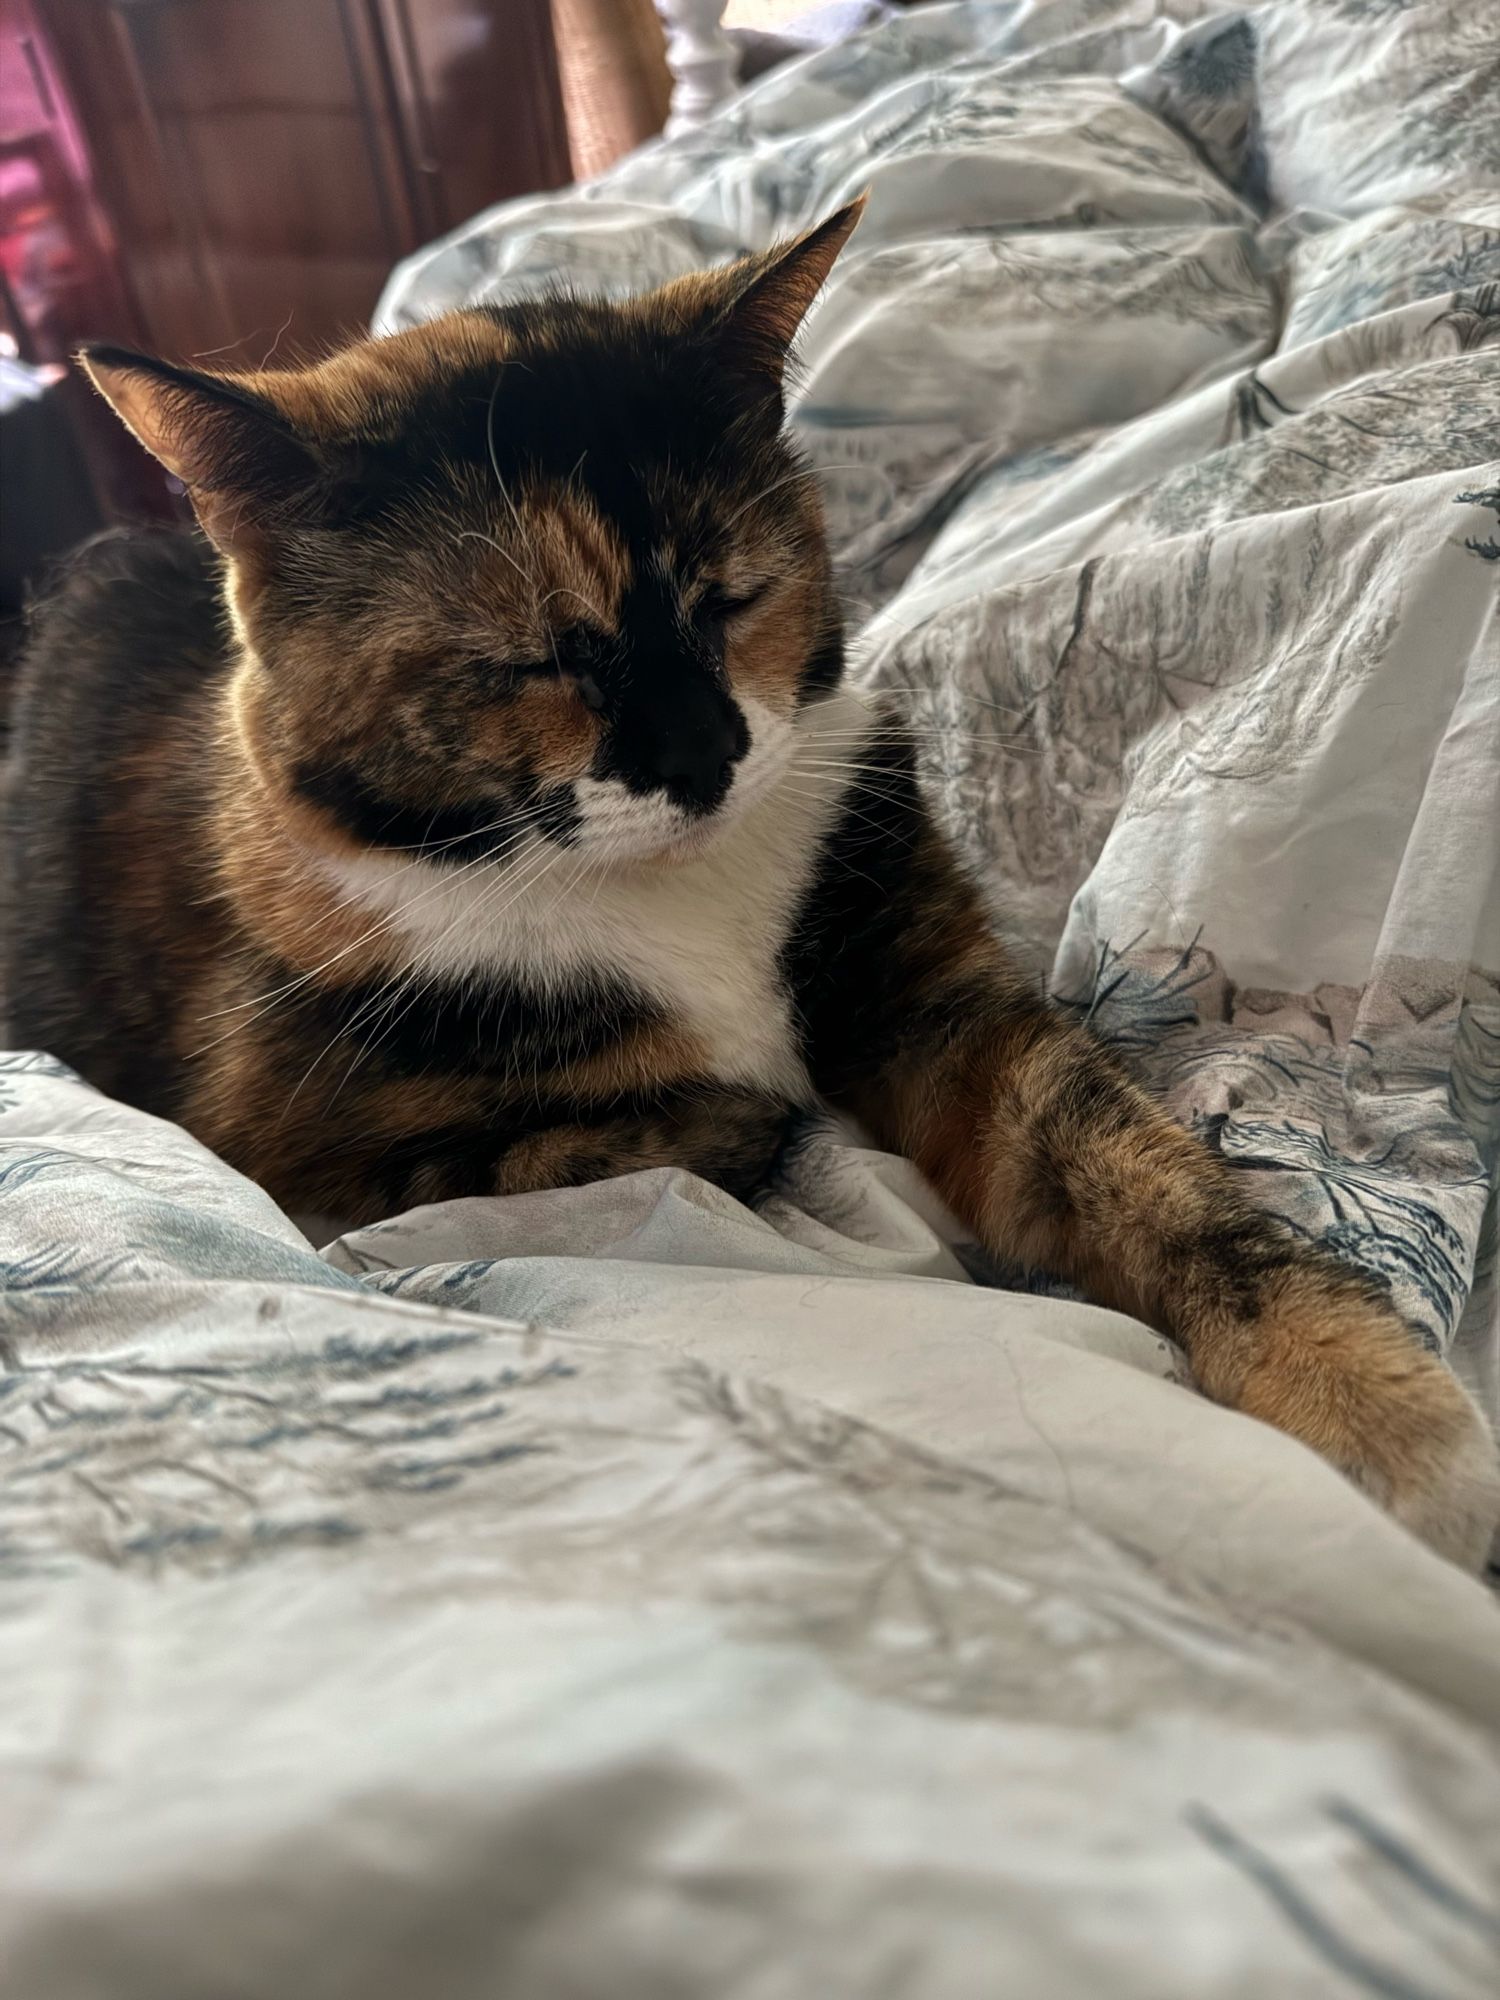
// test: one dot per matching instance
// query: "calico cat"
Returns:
(478, 806)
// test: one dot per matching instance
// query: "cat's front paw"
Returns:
(1342, 1372)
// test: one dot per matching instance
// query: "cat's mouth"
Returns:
(630, 829)
(696, 837)
(658, 832)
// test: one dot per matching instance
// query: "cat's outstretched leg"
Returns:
(1033, 1134)
(918, 1022)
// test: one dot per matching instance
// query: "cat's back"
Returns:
(104, 799)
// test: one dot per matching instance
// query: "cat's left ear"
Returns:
(771, 293)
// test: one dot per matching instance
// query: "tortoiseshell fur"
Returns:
(480, 807)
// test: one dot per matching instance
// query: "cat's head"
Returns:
(544, 571)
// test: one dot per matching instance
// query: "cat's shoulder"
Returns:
(138, 602)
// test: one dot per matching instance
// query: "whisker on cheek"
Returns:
(568, 590)
(474, 535)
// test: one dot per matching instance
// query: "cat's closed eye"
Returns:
(719, 605)
(509, 674)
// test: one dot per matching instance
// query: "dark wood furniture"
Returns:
(228, 179)
(264, 163)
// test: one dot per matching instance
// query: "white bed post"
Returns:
(701, 58)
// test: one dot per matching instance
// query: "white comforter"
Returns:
(618, 1594)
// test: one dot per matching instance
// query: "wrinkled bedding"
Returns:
(620, 1593)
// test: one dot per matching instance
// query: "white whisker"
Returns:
(567, 590)
(489, 439)
(264, 1003)
(473, 535)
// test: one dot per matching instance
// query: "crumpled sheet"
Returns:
(620, 1593)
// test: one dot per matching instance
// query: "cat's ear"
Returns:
(244, 467)
(774, 291)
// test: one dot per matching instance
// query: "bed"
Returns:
(621, 1592)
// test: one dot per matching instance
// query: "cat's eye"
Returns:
(719, 604)
(510, 673)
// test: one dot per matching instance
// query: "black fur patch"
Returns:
(493, 1029)
(451, 834)
(843, 960)
(131, 639)
(824, 668)
(436, 1163)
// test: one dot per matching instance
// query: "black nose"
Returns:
(695, 753)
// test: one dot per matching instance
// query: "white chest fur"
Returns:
(702, 937)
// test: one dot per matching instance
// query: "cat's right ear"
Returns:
(245, 469)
